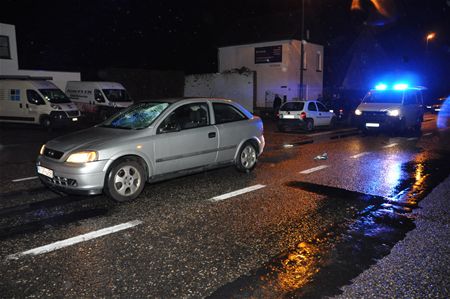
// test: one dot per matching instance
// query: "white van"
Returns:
(99, 99)
(35, 102)
(397, 108)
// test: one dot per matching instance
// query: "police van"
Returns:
(396, 108)
(35, 100)
(98, 99)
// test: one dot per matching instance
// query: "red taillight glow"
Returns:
(303, 115)
(341, 110)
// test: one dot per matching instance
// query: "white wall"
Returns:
(10, 67)
(281, 78)
(230, 85)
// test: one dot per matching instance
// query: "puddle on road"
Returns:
(319, 267)
(50, 212)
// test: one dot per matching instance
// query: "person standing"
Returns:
(276, 104)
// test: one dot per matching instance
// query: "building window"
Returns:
(319, 61)
(15, 95)
(4, 47)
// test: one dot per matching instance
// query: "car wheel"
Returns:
(309, 125)
(247, 158)
(125, 180)
(418, 125)
(46, 122)
(333, 123)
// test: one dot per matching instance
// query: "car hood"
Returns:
(378, 106)
(90, 139)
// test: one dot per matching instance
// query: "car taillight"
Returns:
(278, 115)
(341, 111)
(303, 115)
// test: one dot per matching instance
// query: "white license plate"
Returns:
(45, 171)
(437, 109)
(75, 119)
(372, 125)
(289, 116)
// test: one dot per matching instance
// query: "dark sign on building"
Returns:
(268, 54)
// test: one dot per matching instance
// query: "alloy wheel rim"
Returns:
(248, 157)
(127, 180)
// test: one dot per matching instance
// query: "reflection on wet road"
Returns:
(320, 266)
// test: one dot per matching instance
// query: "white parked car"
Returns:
(304, 115)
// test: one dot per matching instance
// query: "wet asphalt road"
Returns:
(301, 235)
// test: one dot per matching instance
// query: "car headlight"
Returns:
(56, 107)
(82, 157)
(41, 151)
(394, 112)
(358, 112)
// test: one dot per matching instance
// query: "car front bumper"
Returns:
(86, 178)
(378, 122)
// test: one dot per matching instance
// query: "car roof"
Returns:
(188, 100)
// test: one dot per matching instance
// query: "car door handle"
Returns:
(212, 134)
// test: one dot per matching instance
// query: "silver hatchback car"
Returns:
(152, 141)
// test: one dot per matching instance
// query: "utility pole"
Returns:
(302, 50)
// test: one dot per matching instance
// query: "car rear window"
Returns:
(293, 106)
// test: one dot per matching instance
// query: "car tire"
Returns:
(246, 158)
(309, 126)
(125, 180)
(418, 125)
(333, 123)
(46, 122)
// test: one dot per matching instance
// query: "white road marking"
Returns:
(412, 138)
(307, 171)
(390, 145)
(237, 192)
(25, 179)
(72, 241)
(359, 155)
(427, 134)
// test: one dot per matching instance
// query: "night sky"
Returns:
(184, 35)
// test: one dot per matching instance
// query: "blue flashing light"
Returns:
(381, 86)
(400, 86)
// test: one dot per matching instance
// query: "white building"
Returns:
(277, 67)
(9, 62)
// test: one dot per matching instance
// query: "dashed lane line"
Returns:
(390, 145)
(75, 240)
(359, 155)
(236, 193)
(311, 170)
(25, 179)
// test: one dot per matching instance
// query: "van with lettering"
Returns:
(36, 101)
(99, 100)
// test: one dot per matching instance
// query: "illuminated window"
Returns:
(4, 47)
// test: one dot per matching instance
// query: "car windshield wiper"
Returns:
(116, 127)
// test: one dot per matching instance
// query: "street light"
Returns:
(430, 36)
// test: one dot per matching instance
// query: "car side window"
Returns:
(34, 98)
(98, 96)
(312, 106)
(186, 117)
(410, 98)
(321, 107)
(225, 113)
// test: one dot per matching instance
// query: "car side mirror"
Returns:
(169, 128)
